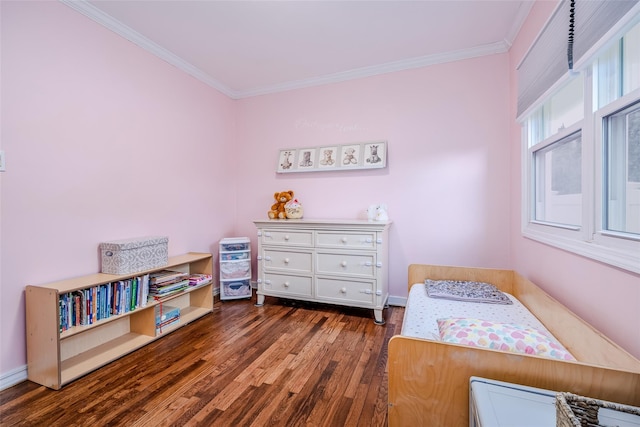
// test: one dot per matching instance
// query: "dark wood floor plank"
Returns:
(287, 363)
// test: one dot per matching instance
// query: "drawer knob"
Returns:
(343, 290)
(286, 260)
(369, 240)
(344, 240)
(343, 263)
(267, 234)
(259, 281)
(267, 282)
(267, 258)
(259, 257)
(285, 284)
(286, 237)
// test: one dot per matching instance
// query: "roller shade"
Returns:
(546, 61)
(566, 38)
(594, 19)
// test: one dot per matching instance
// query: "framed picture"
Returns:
(286, 160)
(306, 159)
(328, 157)
(354, 156)
(350, 156)
(375, 154)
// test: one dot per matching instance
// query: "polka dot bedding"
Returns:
(422, 313)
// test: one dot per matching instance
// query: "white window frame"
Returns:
(589, 239)
(622, 241)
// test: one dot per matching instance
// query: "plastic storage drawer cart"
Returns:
(235, 268)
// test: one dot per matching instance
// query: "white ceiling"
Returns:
(247, 48)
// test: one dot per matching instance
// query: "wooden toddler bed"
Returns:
(429, 379)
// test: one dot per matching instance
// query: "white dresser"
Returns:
(341, 262)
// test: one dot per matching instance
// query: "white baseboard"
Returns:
(13, 377)
(398, 301)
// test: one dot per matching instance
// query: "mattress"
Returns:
(422, 312)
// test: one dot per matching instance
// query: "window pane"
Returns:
(566, 107)
(631, 60)
(563, 109)
(607, 81)
(623, 170)
(558, 182)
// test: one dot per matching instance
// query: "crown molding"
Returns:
(130, 34)
(390, 67)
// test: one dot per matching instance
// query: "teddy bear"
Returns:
(349, 156)
(277, 209)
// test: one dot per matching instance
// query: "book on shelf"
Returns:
(166, 324)
(159, 292)
(166, 316)
(199, 279)
(90, 305)
(166, 276)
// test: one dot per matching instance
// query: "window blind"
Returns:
(594, 19)
(564, 35)
(546, 61)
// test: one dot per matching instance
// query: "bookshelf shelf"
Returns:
(55, 357)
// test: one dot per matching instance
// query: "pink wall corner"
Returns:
(104, 141)
(606, 297)
(447, 179)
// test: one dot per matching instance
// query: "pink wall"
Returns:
(447, 180)
(606, 297)
(103, 141)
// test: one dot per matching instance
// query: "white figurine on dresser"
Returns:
(342, 262)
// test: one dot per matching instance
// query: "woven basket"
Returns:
(577, 411)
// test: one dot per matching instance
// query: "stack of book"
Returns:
(199, 279)
(167, 282)
(166, 316)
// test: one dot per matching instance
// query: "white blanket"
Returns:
(422, 312)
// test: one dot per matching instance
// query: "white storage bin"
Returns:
(235, 268)
(236, 288)
(134, 255)
(232, 244)
(234, 256)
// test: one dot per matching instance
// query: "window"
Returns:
(621, 139)
(581, 157)
(558, 186)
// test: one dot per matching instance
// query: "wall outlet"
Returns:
(2, 161)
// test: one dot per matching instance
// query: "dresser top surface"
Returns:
(321, 223)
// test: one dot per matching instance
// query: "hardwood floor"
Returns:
(285, 364)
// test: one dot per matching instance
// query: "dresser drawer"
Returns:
(345, 291)
(346, 264)
(345, 239)
(289, 261)
(287, 237)
(283, 284)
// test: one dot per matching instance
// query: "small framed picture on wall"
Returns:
(306, 159)
(328, 157)
(350, 156)
(286, 160)
(375, 155)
